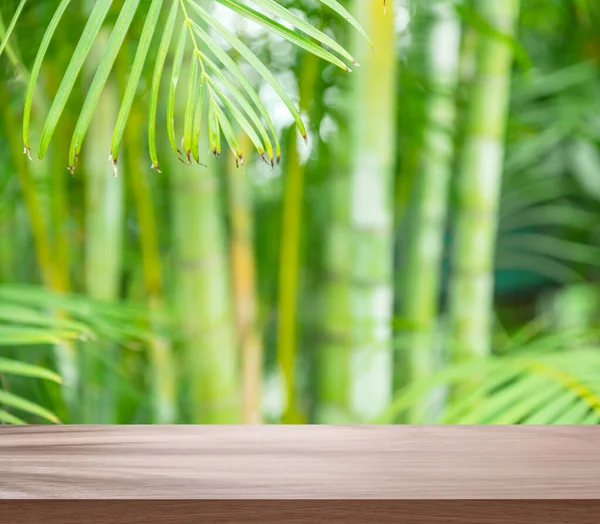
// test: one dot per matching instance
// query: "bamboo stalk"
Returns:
(104, 206)
(243, 277)
(476, 220)
(290, 262)
(355, 369)
(332, 358)
(371, 213)
(354, 362)
(427, 227)
(59, 216)
(103, 249)
(59, 192)
(163, 387)
(41, 238)
(202, 295)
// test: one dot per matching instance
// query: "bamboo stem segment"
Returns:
(427, 228)
(371, 213)
(290, 262)
(243, 276)
(202, 297)
(472, 280)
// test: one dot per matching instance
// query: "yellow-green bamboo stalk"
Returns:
(59, 194)
(202, 297)
(41, 238)
(103, 249)
(427, 227)
(479, 185)
(202, 294)
(289, 264)
(332, 358)
(371, 214)
(355, 368)
(104, 204)
(163, 387)
(243, 277)
(59, 216)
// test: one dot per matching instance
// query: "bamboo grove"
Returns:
(300, 211)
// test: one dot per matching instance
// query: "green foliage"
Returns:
(270, 284)
(31, 317)
(535, 382)
(194, 22)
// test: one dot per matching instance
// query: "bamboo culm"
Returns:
(243, 278)
(426, 231)
(476, 221)
(103, 256)
(364, 287)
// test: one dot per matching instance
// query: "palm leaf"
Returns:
(535, 383)
(11, 26)
(28, 319)
(237, 103)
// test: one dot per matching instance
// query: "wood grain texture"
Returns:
(299, 462)
(299, 512)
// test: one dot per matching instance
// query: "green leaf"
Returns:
(555, 409)
(543, 265)
(26, 315)
(407, 395)
(239, 97)
(340, 10)
(156, 78)
(253, 60)
(37, 65)
(136, 72)
(13, 401)
(14, 367)
(11, 26)
(100, 78)
(237, 74)
(285, 33)
(214, 132)
(18, 336)
(592, 418)
(82, 50)
(575, 414)
(8, 418)
(177, 63)
(229, 133)
(555, 247)
(241, 119)
(198, 120)
(273, 7)
(190, 108)
(490, 382)
(531, 395)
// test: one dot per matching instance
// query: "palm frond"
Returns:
(231, 99)
(5, 34)
(536, 383)
(27, 319)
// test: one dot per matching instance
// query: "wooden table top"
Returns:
(300, 462)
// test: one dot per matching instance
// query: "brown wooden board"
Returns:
(264, 474)
(300, 512)
(300, 462)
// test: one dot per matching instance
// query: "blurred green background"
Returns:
(430, 255)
